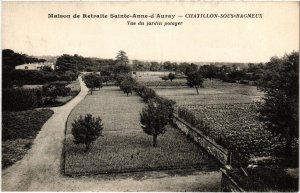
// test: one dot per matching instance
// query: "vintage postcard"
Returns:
(150, 96)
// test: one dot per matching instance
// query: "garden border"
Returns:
(217, 151)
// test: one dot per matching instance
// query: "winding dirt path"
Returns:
(40, 169)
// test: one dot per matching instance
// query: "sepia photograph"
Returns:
(158, 96)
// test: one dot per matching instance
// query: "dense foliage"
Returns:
(79, 63)
(19, 99)
(280, 82)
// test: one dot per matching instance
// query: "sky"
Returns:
(26, 28)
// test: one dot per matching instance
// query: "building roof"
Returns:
(36, 64)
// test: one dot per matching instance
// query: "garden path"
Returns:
(40, 169)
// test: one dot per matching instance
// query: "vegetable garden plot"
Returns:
(235, 127)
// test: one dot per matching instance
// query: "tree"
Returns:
(182, 67)
(86, 130)
(169, 66)
(92, 81)
(122, 58)
(126, 86)
(122, 69)
(194, 80)
(105, 79)
(106, 75)
(279, 111)
(171, 76)
(155, 117)
(208, 71)
(192, 68)
(155, 66)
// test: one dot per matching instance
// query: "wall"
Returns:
(228, 184)
(198, 137)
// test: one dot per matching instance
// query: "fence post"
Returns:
(228, 162)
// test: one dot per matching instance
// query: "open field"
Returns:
(124, 146)
(18, 131)
(214, 92)
(156, 81)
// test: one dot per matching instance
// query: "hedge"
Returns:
(19, 99)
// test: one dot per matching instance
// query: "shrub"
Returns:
(171, 76)
(86, 130)
(19, 99)
(148, 94)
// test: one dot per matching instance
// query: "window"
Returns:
(26, 67)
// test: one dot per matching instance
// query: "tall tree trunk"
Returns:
(106, 83)
(197, 90)
(154, 140)
(91, 91)
(127, 93)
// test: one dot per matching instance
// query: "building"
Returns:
(34, 66)
(150, 73)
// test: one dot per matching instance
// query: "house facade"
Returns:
(34, 66)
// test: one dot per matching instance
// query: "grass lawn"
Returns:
(19, 129)
(124, 146)
(214, 92)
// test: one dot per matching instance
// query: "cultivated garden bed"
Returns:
(19, 129)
